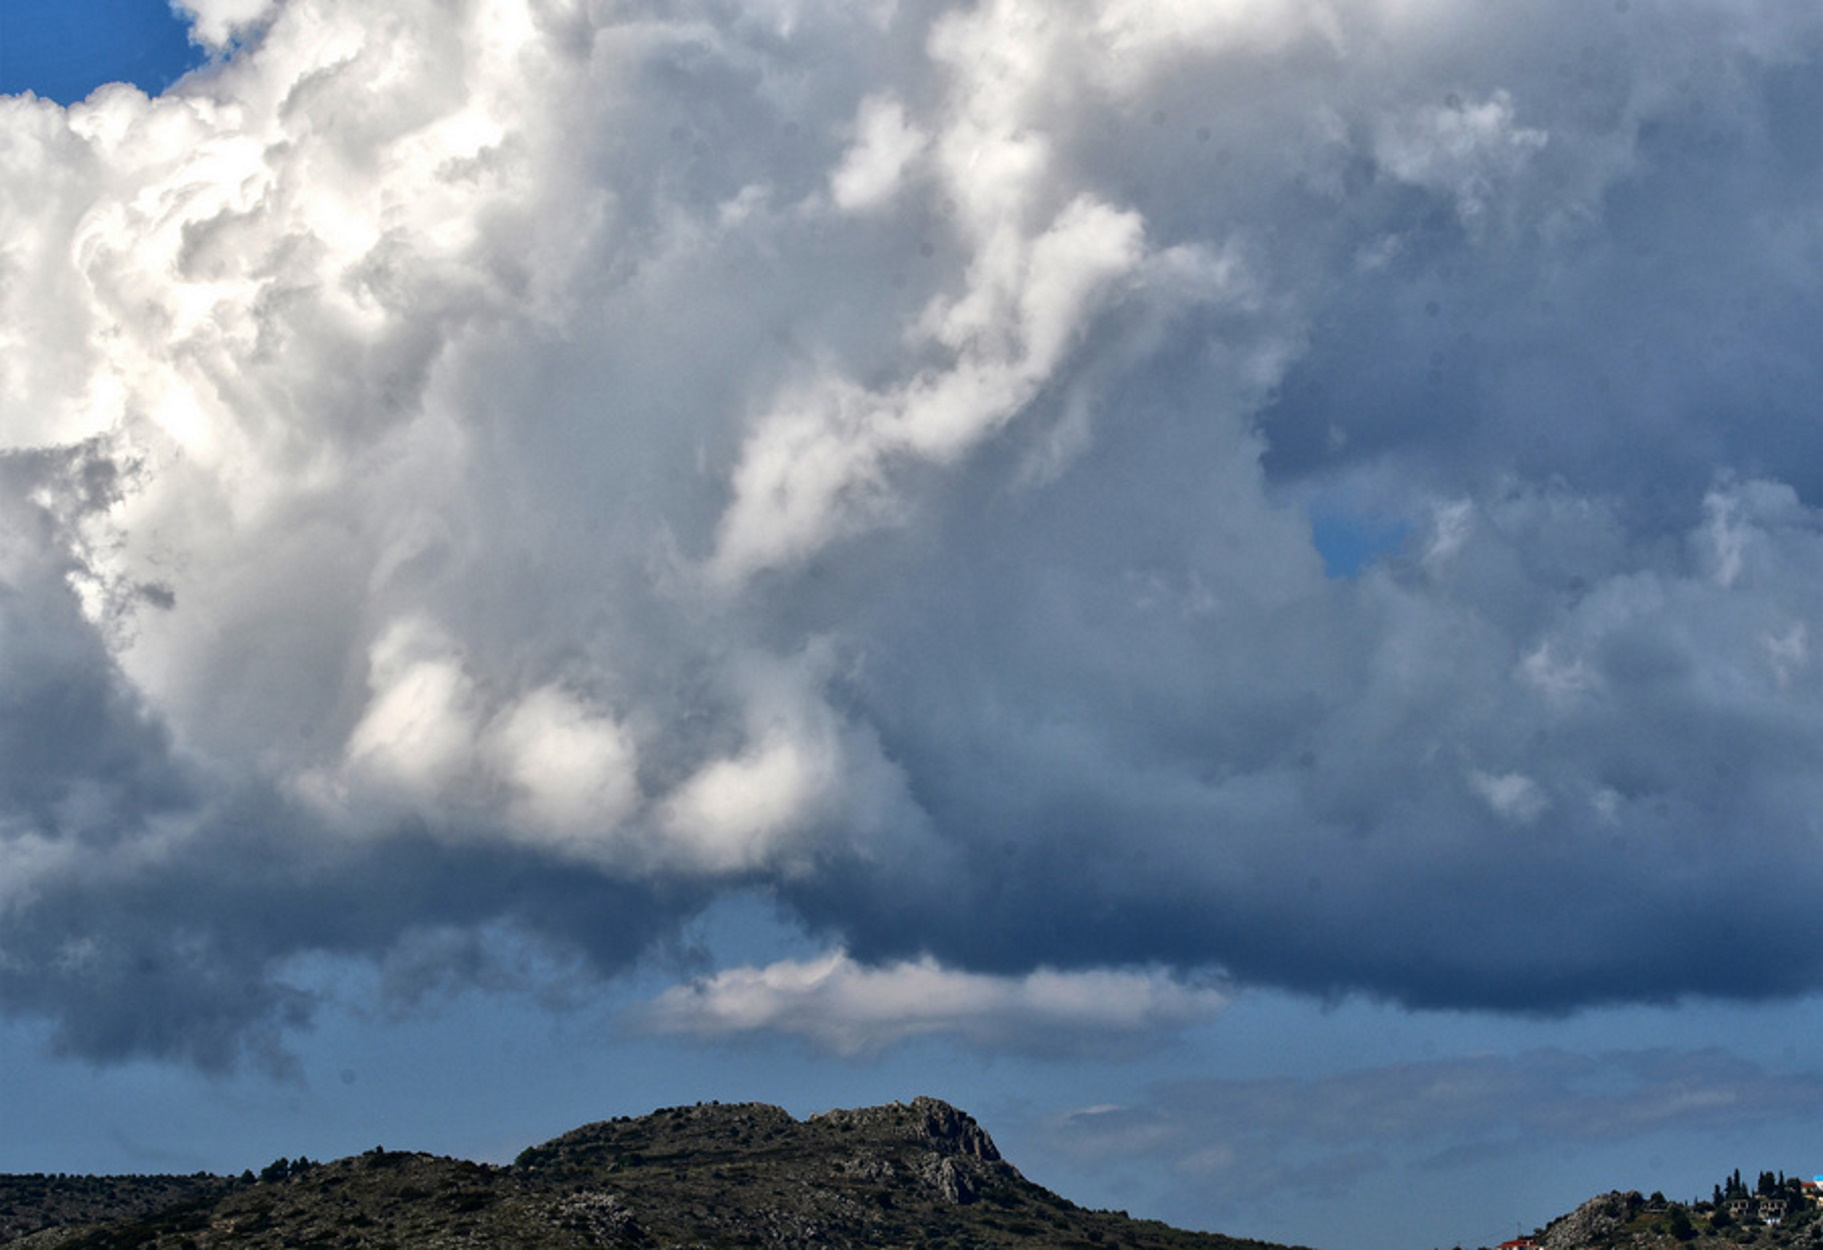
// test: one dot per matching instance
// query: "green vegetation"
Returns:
(38, 1201)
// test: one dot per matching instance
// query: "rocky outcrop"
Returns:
(948, 1181)
(955, 1132)
(952, 1156)
(927, 1121)
(1597, 1222)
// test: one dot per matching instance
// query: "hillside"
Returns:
(750, 1175)
(1629, 1221)
(33, 1202)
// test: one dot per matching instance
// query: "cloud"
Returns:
(1251, 1137)
(1466, 150)
(845, 1007)
(815, 470)
(1514, 795)
(886, 143)
(542, 466)
(217, 22)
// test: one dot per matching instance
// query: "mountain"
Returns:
(907, 1175)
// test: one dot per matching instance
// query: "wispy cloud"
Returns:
(1269, 1133)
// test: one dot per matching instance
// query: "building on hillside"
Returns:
(1740, 1208)
(1813, 1190)
(1772, 1210)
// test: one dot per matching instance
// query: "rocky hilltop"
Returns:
(921, 1174)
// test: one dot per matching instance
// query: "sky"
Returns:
(1224, 585)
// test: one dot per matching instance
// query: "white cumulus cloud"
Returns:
(850, 1008)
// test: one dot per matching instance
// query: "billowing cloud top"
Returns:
(543, 463)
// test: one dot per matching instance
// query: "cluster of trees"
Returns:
(280, 1169)
(1714, 1215)
(1765, 1185)
(1769, 1185)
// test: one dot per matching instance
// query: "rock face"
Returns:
(929, 1121)
(926, 1121)
(922, 1174)
(948, 1138)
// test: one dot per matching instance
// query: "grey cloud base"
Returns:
(547, 465)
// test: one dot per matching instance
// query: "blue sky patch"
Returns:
(1349, 543)
(63, 49)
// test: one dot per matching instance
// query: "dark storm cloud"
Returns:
(868, 453)
(203, 956)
